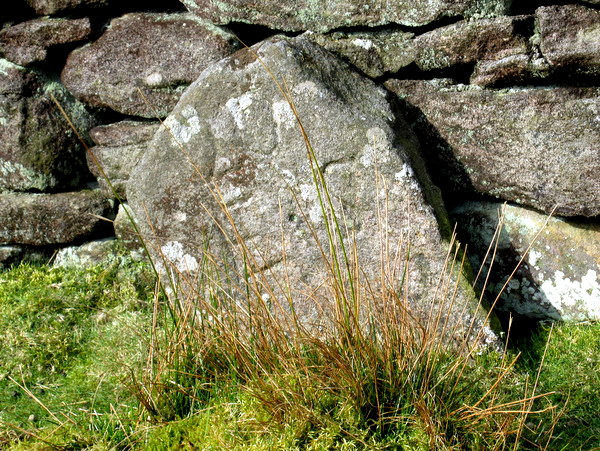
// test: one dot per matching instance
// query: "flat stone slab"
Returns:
(560, 276)
(44, 219)
(569, 37)
(157, 54)
(323, 16)
(374, 53)
(538, 147)
(469, 41)
(120, 147)
(28, 42)
(38, 149)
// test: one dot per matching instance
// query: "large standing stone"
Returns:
(560, 275)
(43, 219)
(28, 42)
(325, 15)
(157, 54)
(570, 37)
(471, 40)
(234, 131)
(118, 150)
(535, 146)
(38, 149)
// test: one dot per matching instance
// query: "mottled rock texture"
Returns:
(535, 146)
(28, 42)
(118, 150)
(560, 275)
(234, 132)
(43, 219)
(373, 53)
(47, 7)
(325, 15)
(38, 149)
(569, 37)
(157, 54)
(88, 254)
(472, 40)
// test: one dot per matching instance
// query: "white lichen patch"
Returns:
(6, 65)
(4, 116)
(377, 150)
(309, 88)
(231, 193)
(283, 115)
(534, 257)
(564, 293)
(153, 80)
(173, 252)
(182, 133)
(180, 216)
(237, 106)
(363, 43)
(308, 193)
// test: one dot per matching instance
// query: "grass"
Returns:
(68, 339)
(93, 325)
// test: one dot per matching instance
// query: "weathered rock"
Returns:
(240, 137)
(38, 149)
(374, 53)
(28, 42)
(88, 254)
(9, 255)
(157, 54)
(518, 69)
(119, 149)
(125, 230)
(42, 219)
(570, 37)
(559, 278)
(47, 7)
(471, 40)
(322, 16)
(535, 146)
(13, 255)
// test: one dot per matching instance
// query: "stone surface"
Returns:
(88, 254)
(38, 149)
(471, 40)
(43, 219)
(120, 146)
(570, 37)
(159, 54)
(535, 146)
(322, 16)
(518, 69)
(560, 276)
(234, 131)
(13, 255)
(28, 42)
(125, 230)
(373, 53)
(47, 7)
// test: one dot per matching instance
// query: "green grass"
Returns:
(68, 339)
(71, 336)
(571, 370)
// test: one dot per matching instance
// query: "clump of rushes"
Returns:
(372, 375)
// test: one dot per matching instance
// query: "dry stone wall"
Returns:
(459, 106)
